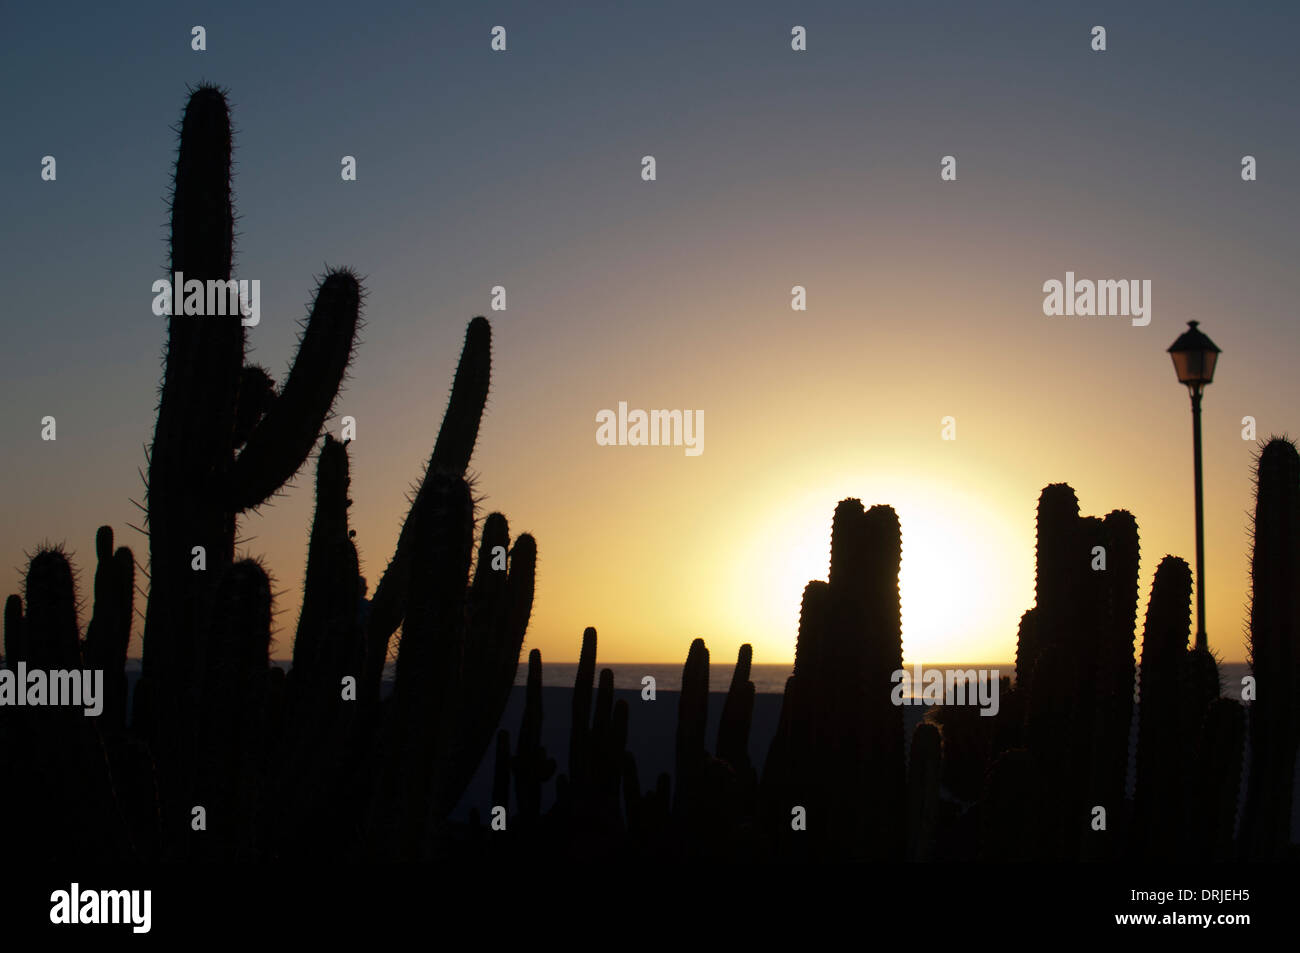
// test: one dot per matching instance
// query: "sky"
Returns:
(774, 168)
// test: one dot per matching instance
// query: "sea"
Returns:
(767, 679)
(770, 679)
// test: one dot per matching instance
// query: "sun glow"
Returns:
(963, 581)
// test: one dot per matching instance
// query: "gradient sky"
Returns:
(775, 168)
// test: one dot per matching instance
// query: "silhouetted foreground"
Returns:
(224, 757)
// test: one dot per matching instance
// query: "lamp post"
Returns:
(1194, 357)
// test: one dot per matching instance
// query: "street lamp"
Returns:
(1194, 357)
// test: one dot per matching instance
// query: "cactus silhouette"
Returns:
(15, 646)
(1075, 673)
(318, 757)
(1112, 683)
(691, 754)
(109, 632)
(225, 441)
(454, 667)
(69, 807)
(232, 752)
(271, 760)
(839, 748)
(532, 768)
(1163, 745)
(1217, 781)
(587, 807)
(1274, 652)
(450, 457)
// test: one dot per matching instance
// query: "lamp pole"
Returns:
(1201, 640)
(1195, 357)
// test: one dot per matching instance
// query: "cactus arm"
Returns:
(286, 433)
(451, 454)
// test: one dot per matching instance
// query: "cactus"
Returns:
(233, 746)
(50, 624)
(531, 766)
(224, 442)
(444, 692)
(1111, 695)
(450, 457)
(1163, 747)
(1051, 699)
(1026, 647)
(1075, 672)
(318, 748)
(734, 729)
(260, 752)
(587, 803)
(427, 658)
(692, 723)
(841, 743)
(580, 706)
(1217, 781)
(71, 811)
(1274, 652)
(109, 633)
(15, 645)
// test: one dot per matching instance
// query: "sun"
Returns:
(963, 583)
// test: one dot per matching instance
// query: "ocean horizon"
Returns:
(768, 679)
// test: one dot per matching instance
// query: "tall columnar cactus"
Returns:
(457, 659)
(1026, 647)
(1075, 672)
(849, 764)
(1057, 569)
(532, 768)
(423, 681)
(234, 746)
(109, 633)
(1163, 764)
(1274, 652)
(450, 457)
(1111, 697)
(70, 810)
(318, 760)
(587, 807)
(498, 602)
(224, 442)
(580, 706)
(1055, 565)
(733, 730)
(691, 753)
